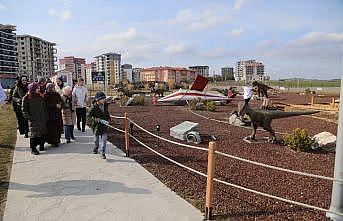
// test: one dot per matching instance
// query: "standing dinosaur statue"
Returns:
(262, 89)
(263, 118)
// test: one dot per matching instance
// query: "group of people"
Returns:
(45, 110)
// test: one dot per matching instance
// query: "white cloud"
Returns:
(66, 15)
(111, 23)
(177, 48)
(265, 44)
(62, 15)
(313, 38)
(183, 16)
(237, 32)
(2, 8)
(122, 37)
(239, 4)
(66, 3)
(52, 12)
(213, 15)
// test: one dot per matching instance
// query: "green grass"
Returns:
(304, 83)
(8, 135)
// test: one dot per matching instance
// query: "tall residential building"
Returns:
(201, 70)
(227, 73)
(36, 57)
(8, 55)
(110, 64)
(167, 74)
(75, 65)
(136, 73)
(249, 70)
(90, 68)
(126, 72)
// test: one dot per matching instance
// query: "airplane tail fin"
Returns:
(199, 84)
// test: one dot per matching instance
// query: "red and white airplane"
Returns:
(196, 91)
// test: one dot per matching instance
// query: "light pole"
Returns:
(337, 188)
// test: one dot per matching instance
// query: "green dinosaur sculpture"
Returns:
(263, 118)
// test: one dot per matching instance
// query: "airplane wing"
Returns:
(199, 84)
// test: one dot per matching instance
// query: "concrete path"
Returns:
(71, 183)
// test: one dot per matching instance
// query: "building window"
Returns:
(22, 43)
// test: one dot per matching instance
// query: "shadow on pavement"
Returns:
(76, 188)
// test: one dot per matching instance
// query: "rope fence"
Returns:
(210, 171)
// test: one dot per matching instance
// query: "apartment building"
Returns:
(167, 74)
(227, 73)
(249, 70)
(201, 70)
(36, 57)
(110, 64)
(90, 68)
(126, 70)
(77, 66)
(136, 72)
(9, 68)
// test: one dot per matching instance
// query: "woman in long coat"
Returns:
(34, 109)
(55, 125)
(68, 113)
(18, 95)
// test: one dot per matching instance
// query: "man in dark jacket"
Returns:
(18, 95)
(98, 116)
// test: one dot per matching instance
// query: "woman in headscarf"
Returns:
(68, 113)
(55, 125)
(34, 109)
(18, 95)
(42, 86)
(59, 85)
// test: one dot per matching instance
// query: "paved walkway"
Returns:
(71, 183)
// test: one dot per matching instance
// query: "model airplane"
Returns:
(195, 92)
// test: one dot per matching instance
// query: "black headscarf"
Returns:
(62, 84)
(20, 84)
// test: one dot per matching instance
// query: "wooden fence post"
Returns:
(210, 175)
(127, 143)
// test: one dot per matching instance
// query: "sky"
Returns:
(294, 38)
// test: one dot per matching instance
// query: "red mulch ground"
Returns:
(231, 203)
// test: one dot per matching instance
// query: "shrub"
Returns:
(210, 105)
(298, 140)
(123, 100)
(138, 100)
(194, 103)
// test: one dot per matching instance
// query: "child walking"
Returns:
(98, 112)
(68, 113)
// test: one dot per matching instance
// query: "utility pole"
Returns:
(337, 188)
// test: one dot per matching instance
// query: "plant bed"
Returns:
(230, 203)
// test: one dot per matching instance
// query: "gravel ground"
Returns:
(231, 203)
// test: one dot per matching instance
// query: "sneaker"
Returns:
(26, 136)
(68, 141)
(73, 138)
(103, 156)
(95, 150)
(83, 130)
(34, 151)
(41, 148)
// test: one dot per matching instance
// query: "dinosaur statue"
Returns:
(263, 118)
(261, 88)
